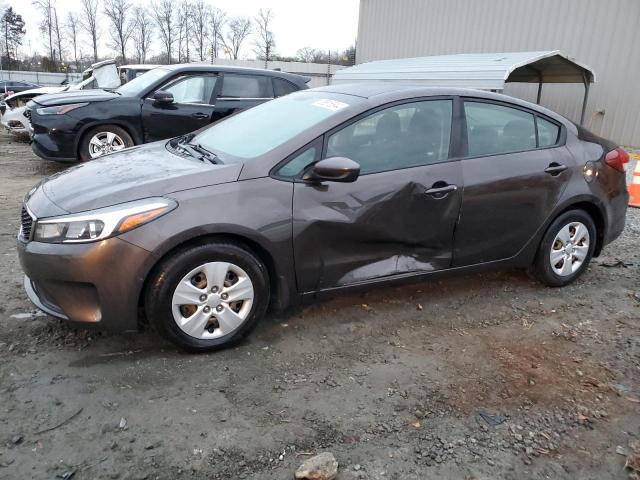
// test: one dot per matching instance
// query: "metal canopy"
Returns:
(485, 71)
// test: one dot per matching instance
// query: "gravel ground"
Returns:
(489, 376)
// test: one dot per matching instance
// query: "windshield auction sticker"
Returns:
(332, 105)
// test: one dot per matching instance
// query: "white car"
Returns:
(13, 108)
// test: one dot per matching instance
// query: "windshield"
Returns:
(141, 83)
(256, 131)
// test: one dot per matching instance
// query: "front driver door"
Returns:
(398, 217)
(191, 109)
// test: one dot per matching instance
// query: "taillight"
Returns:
(617, 159)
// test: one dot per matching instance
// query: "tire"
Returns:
(185, 269)
(572, 260)
(121, 137)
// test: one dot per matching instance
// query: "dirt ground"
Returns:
(489, 376)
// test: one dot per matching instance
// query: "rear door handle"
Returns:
(200, 115)
(441, 191)
(555, 169)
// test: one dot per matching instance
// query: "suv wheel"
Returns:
(102, 140)
(566, 249)
(208, 296)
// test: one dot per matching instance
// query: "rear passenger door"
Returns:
(242, 91)
(515, 169)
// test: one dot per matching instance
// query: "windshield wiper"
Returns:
(196, 150)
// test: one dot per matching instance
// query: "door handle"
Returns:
(555, 169)
(440, 192)
(200, 115)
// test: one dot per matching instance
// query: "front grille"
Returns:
(27, 114)
(26, 224)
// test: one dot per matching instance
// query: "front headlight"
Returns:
(60, 109)
(101, 223)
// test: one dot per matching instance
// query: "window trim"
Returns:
(376, 109)
(464, 138)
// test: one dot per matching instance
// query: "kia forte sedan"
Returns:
(320, 191)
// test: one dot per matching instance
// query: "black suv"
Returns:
(163, 103)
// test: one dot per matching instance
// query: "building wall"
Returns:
(603, 34)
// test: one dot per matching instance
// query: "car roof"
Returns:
(207, 67)
(383, 92)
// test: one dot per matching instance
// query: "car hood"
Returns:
(139, 172)
(75, 96)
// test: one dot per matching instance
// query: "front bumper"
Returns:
(58, 147)
(93, 283)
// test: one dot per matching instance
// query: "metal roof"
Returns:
(486, 71)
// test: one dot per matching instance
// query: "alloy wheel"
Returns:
(105, 142)
(569, 249)
(212, 300)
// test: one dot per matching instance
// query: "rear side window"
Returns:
(282, 87)
(246, 86)
(548, 133)
(493, 129)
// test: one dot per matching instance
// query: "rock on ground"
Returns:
(321, 467)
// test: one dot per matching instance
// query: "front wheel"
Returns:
(566, 249)
(103, 140)
(207, 297)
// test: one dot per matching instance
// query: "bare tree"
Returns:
(312, 55)
(58, 33)
(117, 11)
(163, 14)
(89, 23)
(265, 43)
(200, 22)
(46, 26)
(142, 33)
(238, 30)
(184, 30)
(217, 19)
(72, 27)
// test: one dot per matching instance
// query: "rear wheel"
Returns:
(566, 249)
(102, 140)
(208, 296)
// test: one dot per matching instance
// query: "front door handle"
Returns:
(440, 192)
(200, 115)
(555, 169)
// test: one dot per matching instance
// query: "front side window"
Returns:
(245, 86)
(194, 89)
(397, 137)
(494, 129)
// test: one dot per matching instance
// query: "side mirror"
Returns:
(163, 98)
(334, 169)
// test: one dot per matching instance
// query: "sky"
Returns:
(329, 24)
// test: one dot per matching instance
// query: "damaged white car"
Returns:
(13, 111)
